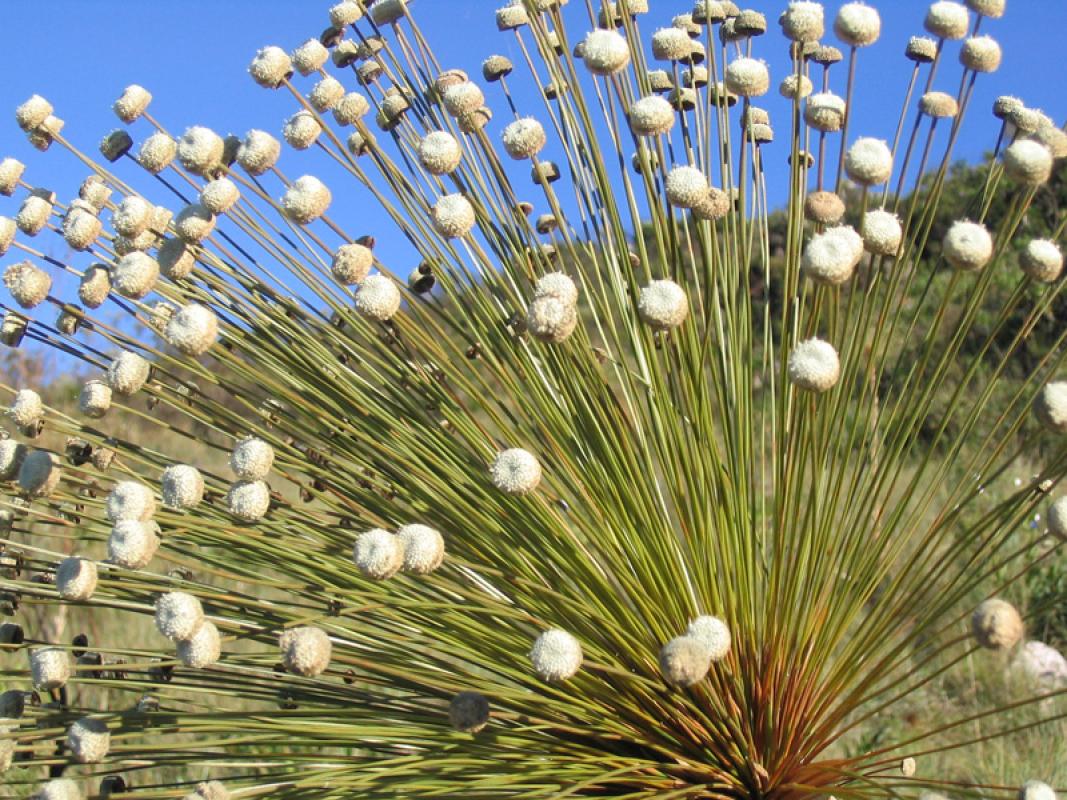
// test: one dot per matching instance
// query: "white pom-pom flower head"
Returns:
(305, 650)
(605, 52)
(1041, 260)
(179, 615)
(882, 232)
(967, 246)
(251, 459)
(378, 298)
(130, 500)
(831, 257)
(378, 554)
(869, 162)
(663, 305)
(515, 471)
(814, 366)
(684, 661)
(556, 655)
(857, 24)
(1050, 406)
(713, 634)
(747, 77)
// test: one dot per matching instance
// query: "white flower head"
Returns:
(350, 109)
(663, 305)
(326, 94)
(671, 44)
(453, 216)
(11, 455)
(831, 257)
(39, 474)
(967, 246)
(33, 215)
(306, 200)
(130, 500)
(882, 232)
(684, 661)
(825, 112)
(686, 186)
(352, 263)
(515, 471)
(605, 52)
(713, 633)
(135, 275)
(201, 150)
(556, 655)
(157, 152)
(651, 116)
(1036, 790)
(95, 399)
(869, 162)
(89, 740)
(378, 554)
(202, 649)
(378, 298)
(994, 9)
(802, 21)
(258, 152)
(1041, 260)
(132, 543)
(551, 319)
(193, 329)
(305, 650)
(301, 130)
(26, 408)
(524, 138)
(179, 615)
(309, 57)
(182, 487)
(558, 285)
(814, 366)
(997, 625)
(50, 668)
(423, 547)
(128, 372)
(858, 25)
(747, 77)
(59, 789)
(946, 19)
(439, 152)
(981, 54)
(1050, 406)
(270, 67)
(76, 578)
(1028, 161)
(249, 501)
(251, 459)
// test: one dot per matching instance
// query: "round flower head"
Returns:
(95, 286)
(176, 259)
(1057, 518)
(469, 712)
(135, 275)
(423, 547)
(270, 67)
(387, 12)
(76, 578)
(301, 130)
(651, 116)
(132, 216)
(378, 554)
(814, 366)
(33, 215)
(193, 329)
(11, 455)
(831, 257)
(802, 21)
(825, 112)
(1006, 105)
(350, 109)
(869, 162)
(32, 114)
(132, 543)
(178, 615)
(200, 150)
(967, 245)
(663, 305)
(306, 200)
(157, 152)
(1041, 260)
(249, 501)
(684, 661)
(947, 20)
(551, 319)
(515, 471)
(11, 170)
(309, 57)
(352, 263)
(686, 187)
(939, 105)
(1050, 406)
(981, 53)
(194, 223)
(88, 740)
(258, 152)
(202, 649)
(825, 208)
(95, 399)
(713, 634)
(605, 52)
(558, 285)
(882, 233)
(1028, 162)
(794, 86)
(378, 298)
(39, 474)
(347, 12)
(128, 373)
(511, 17)
(80, 228)
(994, 9)
(182, 487)
(8, 229)
(857, 25)
(556, 655)
(26, 408)
(219, 195)
(524, 138)
(49, 668)
(439, 152)
(747, 77)
(251, 459)
(670, 44)
(326, 94)
(997, 625)
(463, 98)
(453, 216)
(305, 651)
(132, 103)
(59, 789)
(130, 500)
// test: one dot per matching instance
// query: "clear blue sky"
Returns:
(192, 54)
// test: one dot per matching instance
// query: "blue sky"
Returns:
(193, 56)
